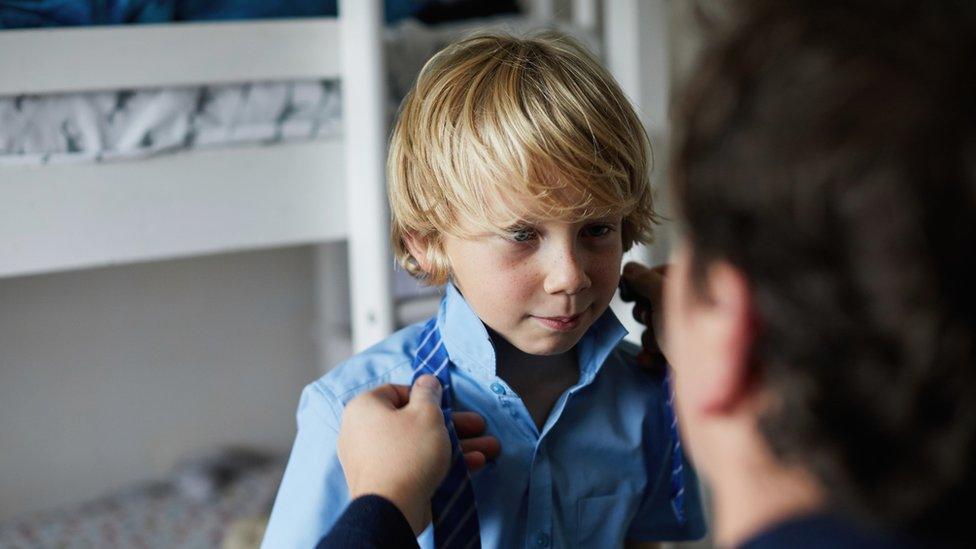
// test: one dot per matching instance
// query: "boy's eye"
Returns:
(598, 230)
(521, 234)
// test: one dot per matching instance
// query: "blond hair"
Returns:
(499, 129)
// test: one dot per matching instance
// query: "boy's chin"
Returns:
(547, 345)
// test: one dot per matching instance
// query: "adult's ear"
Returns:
(729, 322)
(418, 247)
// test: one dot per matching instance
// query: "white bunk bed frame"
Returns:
(63, 217)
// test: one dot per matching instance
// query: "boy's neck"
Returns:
(509, 357)
(538, 379)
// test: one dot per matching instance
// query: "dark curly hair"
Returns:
(827, 149)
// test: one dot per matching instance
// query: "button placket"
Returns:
(510, 402)
(539, 526)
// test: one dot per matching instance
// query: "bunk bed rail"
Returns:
(40, 61)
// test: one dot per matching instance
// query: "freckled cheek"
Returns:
(604, 272)
(507, 284)
(522, 285)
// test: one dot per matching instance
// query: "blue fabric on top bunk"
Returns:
(207, 10)
(70, 13)
(61, 13)
(225, 10)
(43, 13)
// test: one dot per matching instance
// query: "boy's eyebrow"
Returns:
(605, 218)
(529, 223)
(520, 224)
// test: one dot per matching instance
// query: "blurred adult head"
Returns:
(821, 310)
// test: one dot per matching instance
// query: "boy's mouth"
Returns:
(560, 323)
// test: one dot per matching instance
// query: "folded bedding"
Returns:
(130, 124)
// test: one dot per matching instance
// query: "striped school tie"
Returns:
(453, 509)
(677, 480)
(677, 456)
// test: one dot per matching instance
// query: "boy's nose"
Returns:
(566, 275)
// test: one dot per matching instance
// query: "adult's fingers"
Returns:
(644, 287)
(640, 278)
(640, 312)
(660, 270)
(477, 449)
(645, 360)
(633, 269)
(468, 424)
(649, 341)
(644, 280)
(490, 447)
(475, 461)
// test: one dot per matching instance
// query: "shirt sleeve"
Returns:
(313, 492)
(656, 521)
(370, 522)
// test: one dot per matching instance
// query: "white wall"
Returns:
(109, 376)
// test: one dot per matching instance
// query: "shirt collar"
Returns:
(469, 345)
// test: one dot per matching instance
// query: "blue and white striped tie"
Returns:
(453, 508)
(677, 456)
(642, 313)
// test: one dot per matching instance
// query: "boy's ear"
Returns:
(418, 246)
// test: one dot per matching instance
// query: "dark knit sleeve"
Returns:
(370, 522)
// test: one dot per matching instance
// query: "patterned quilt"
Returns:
(153, 515)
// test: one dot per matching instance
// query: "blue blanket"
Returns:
(60, 13)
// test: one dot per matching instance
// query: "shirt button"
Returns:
(542, 539)
(497, 388)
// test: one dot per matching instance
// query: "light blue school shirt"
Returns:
(596, 474)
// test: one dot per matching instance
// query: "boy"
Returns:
(518, 176)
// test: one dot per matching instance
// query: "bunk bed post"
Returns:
(636, 52)
(365, 127)
(541, 10)
(584, 14)
(635, 34)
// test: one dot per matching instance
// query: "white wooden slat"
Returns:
(332, 330)
(542, 10)
(98, 58)
(637, 55)
(62, 217)
(636, 51)
(586, 14)
(365, 130)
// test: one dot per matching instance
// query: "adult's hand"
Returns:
(393, 443)
(645, 285)
(478, 448)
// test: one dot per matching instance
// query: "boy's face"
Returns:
(543, 284)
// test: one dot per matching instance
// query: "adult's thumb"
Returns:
(426, 390)
(642, 279)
